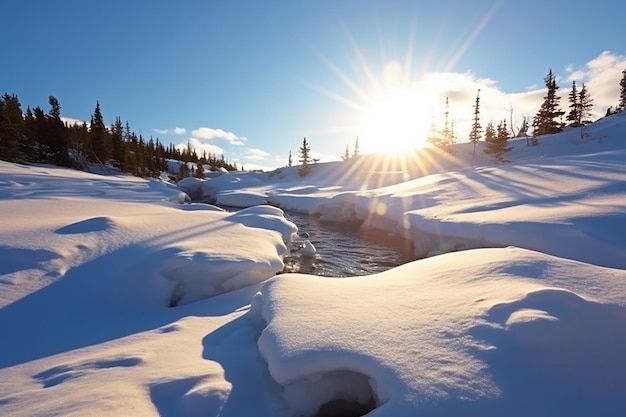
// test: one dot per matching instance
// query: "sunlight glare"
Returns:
(397, 119)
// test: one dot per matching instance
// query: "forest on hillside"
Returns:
(35, 136)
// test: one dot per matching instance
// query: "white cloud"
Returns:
(461, 90)
(71, 121)
(200, 147)
(209, 133)
(256, 154)
(601, 75)
(175, 131)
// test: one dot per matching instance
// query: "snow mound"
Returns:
(94, 224)
(200, 274)
(191, 186)
(424, 339)
(266, 217)
(209, 264)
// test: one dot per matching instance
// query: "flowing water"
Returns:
(344, 251)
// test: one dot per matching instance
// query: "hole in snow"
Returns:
(343, 408)
(331, 394)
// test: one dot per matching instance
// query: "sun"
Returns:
(395, 123)
(396, 118)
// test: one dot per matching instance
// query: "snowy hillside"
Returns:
(118, 298)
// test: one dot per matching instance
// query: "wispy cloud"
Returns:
(200, 147)
(209, 133)
(602, 75)
(175, 131)
(256, 154)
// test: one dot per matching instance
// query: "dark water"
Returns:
(344, 251)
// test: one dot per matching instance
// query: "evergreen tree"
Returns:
(100, 140)
(119, 149)
(183, 170)
(78, 138)
(29, 144)
(496, 140)
(475, 133)
(57, 134)
(585, 106)
(199, 170)
(356, 150)
(574, 114)
(447, 133)
(346, 154)
(289, 162)
(305, 159)
(545, 121)
(40, 134)
(11, 128)
(622, 93)
(490, 136)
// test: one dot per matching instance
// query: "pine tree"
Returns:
(57, 135)
(545, 121)
(199, 170)
(100, 139)
(119, 150)
(346, 154)
(11, 128)
(305, 159)
(289, 162)
(29, 144)
(490, 136)
(496, 140)
(447, 135)
(183, 170)
(622, 93)
(585, 106)
(574, 114)
(475, 133)
(356, 150)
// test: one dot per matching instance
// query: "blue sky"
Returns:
(250, 79)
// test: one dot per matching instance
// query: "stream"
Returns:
(344, 251)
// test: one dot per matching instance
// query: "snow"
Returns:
(118, 296)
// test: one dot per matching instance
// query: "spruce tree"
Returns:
(622, 93)
(100, 140)
(11, 128)
(356, 150)
(475, 133)
(496, 140)
(490, 137)
(346, 154)
(545, 121)
(199, 170)
(289, 162)
(574, 104)
(305, 159)
(119, 149)
(448, 132)
(585, 103)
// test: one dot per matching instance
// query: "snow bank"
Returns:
(469, 333)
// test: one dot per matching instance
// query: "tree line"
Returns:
(36, 136)
(547, 120)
